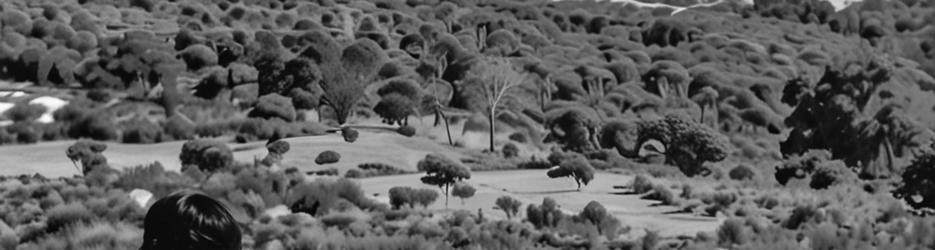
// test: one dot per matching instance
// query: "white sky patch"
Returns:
(51, 105)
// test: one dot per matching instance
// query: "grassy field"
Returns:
(48, 158)
(529, 186)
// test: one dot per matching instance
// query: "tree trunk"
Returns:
(491, 117)
(579, 184)
(890, 158)
(702, 114)
(446, 195)
(448, 130)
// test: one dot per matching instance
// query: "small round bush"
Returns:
(354, 173)
(278, 147)
(741, 172)
(83, 41)
(641, 184)
(510, 150)
(349, 134)
(24, 112)
(407, 131)
(327, 157)
(199, 56)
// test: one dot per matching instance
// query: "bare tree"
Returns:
(496, 79)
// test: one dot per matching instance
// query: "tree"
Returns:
(89, 153)
(344, 81)
(463, 190)
(578, 168)
(442, 172)
(918, 184)
(496, 79)
(688, 144)
(394, 108)
(574, 126)
(707, 98)
(400, 196)
(838, 115)
(509, 205)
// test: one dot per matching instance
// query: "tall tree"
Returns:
(442, 172)
(344, 81)
(496, 79)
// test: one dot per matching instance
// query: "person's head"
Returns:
(189, 220)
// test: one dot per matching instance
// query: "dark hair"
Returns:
(190, 220)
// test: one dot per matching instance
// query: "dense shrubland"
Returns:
(706, 93)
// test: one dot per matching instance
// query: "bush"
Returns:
(407, 131)
(62, 216)
(732, 232)
(274, 106)
(354, 173)
(142, 132)
(641, 184)
(349, 134)
(327, 157)
(534, 164)
(206, 155)
(663, 194)
(178, 128)
(199, 56)
(23, 112)
(510, 150)
(99, 127)
(741, 172)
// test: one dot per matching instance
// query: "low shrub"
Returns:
(741, 172)
(374, 169)
(326, 172)
(641, 184)
(349, 134)
(23, 112)
(206, 155)
(534, 164)
(327, 157)
(407, 131)
(142, 132)
(732, 232)
(62, 216)
(663, 194)
(510, 150)
(178, 128)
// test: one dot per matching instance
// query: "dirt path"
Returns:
(531, 186)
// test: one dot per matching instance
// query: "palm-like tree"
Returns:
(884, 138)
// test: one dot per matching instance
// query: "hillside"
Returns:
(670, 124)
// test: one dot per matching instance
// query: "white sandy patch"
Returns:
(4, 106)
(51, 104)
